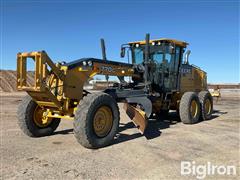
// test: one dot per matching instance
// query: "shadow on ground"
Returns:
(219, 112)
(153, 129)
(64, 132)
(155, 126)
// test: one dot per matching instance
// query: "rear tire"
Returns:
(26, 122)
(96, 120)
(206, 104)
(189, 108)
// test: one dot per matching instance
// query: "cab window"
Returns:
(138, 55)
(158, 56)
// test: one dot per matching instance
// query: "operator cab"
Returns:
(165, 58)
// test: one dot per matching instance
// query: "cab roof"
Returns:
(177, 42)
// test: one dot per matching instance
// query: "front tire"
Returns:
(30, 119)
(96, 120)
(189, 108)
(206, 103)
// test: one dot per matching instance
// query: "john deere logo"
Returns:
(107, 68)
(186, 71)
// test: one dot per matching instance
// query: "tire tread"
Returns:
(81, 123)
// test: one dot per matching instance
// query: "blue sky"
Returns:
(69, 30)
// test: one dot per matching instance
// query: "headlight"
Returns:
(90, 63)
(84, 63)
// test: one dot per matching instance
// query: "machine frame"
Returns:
(58, 90)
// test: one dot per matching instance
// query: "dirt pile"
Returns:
(8, 80)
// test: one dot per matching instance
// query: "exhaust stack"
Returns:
(104, 56)
(186, 61)
(103, 50)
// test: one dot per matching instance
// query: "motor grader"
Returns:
(161, 79)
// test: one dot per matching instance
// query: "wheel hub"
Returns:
(194, 108)
(207, 106)
(103, 121)
(40, 118)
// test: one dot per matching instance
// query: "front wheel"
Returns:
(96, 120)
(32, 121)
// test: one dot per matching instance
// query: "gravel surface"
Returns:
(131, 156)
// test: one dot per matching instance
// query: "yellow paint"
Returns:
(195, 81)
(103, 121)
(40, 119)
(194, 108)
(61, 116)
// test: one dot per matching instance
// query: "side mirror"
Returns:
(122, 54)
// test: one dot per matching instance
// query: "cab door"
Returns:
(171, 82)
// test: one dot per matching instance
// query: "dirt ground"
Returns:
(131, 156)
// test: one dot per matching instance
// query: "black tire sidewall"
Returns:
(196, 118)
(203, 96)
(184, 109)
(84, 117)
(102, 141)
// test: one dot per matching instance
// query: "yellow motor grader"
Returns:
(161, 80)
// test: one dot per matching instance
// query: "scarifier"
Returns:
(160, 81)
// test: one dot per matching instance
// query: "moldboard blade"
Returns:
(137, 116)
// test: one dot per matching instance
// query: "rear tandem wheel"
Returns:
(206, 103)
(189, 108)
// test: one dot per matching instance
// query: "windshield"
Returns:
(159, 54)
(156, 53)
(165, 60)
